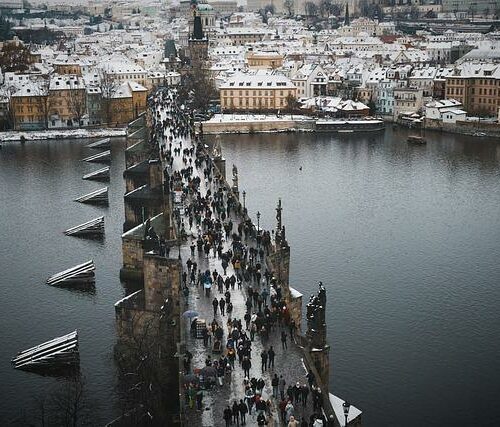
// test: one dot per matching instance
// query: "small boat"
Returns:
(78, 275)
(104, 157)
(416, 139)
(480, 134)
(59, 354)
(94, 227)
(101, 144)
(98, 197)
(98, 175)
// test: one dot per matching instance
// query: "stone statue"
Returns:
(235, 177)
(315, 315)
(217, 150)
(278, 216)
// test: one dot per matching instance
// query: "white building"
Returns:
(310, 80)
(446, 110)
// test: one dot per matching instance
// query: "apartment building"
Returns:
(256, 91)
(476, 86)
(29, 107)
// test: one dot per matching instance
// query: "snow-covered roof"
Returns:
(65, 82)
(258, 80)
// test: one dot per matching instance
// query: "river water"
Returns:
(405, 238)
(38, 182)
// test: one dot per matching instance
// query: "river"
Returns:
(38, 182)
(405, 238)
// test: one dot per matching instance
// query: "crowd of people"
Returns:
(211, 220)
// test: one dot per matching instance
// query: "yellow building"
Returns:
(264, 60)
(29, 107)
(67, 101)
(128, 101)
(259, 91)
(476, 86)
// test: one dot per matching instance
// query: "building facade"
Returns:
(256, 92)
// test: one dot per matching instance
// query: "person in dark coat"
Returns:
(246, 365)
(236, 413)
(243, 412)
(270, 355)
(228, 416)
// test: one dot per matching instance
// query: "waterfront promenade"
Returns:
(288, 362)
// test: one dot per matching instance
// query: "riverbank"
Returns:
(60, 134)
(262, 123)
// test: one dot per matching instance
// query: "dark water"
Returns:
(407, 241)
(38, 182)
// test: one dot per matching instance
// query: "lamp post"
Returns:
(346, 405)
(258, 229)
(244, 194)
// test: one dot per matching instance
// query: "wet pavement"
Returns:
(288, 362)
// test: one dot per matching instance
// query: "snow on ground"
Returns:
(232, 118)
(61, 134)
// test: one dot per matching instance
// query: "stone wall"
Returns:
(464, 127)
(133, 252)
(213, 128)
(162, 281)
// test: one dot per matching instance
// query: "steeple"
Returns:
(347, 20)
(197, 28)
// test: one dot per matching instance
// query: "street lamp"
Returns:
(258, 228)
(346, 405)
(244, 194)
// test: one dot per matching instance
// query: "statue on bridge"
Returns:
(280, 228)
(315, 315)
(217, 150)
(235, 177)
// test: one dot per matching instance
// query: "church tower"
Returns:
(198, 41)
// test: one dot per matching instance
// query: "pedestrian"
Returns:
(305, 393)
(293, 422)
(228, 416)
(215, 304)
(283, 340)
(236, 413)
(297, 393)
(222, 305)
(261, 420)
(246, 365)
(243, 412)
(281, 385)
(275, 383)
(292, 330)
(270, 355)
(289, 410)
(199, 399)
(263, 357)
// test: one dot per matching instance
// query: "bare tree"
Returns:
(311, 8)
(108, 86)
(289, 5)
(77, 104)
(147, 379)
